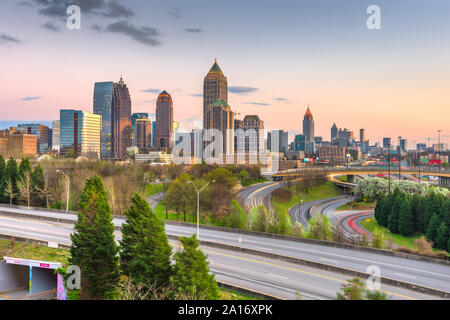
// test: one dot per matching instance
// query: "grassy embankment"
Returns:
(358, 205)
(43, 253)
(323, 191)
(371, 224)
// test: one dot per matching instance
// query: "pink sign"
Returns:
(44, 265)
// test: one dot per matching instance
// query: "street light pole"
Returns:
(399, 158)
(68, 189)
(198, 204)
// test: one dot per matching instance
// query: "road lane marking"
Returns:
(298, 270)
(404, 275)
(329, 260)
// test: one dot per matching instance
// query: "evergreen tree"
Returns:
(24, 167)
(448, 245)
(432, 228)
(2, 178)
(383, 213)
(145, 249)
(420, 214)
(441, 236)
(395, 212)
(2, 166)
(93, 246)
(406, 219)
(432, 207)
(38, 185)
(192, 275)
(11, 177)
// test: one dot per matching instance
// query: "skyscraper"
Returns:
(334, 132)
(215, 87)
(164, 122)
(112, 101)
(308, 126)
(39, 130)
(80, 133)
(143, 134)
(219, 116)
(55, 132)
(362, 135)
(134, 117)
(253, 127)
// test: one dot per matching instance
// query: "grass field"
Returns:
(358, 205)
(152, 189)
(33, 252)
(324, 191)
(398, 239)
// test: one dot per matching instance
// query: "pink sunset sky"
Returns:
(278, 59)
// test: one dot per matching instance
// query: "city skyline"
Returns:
(369, 79)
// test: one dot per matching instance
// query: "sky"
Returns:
(278, 56)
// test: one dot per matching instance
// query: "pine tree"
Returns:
(2, 166)
(192, 275)
(432, 207)
(441, 236)
(24, 167)
(93, 246)
(406, 219)
(2, 178)
(145, 249)
(432, 228)
(10, 178)
(395, 213)
(38, 185)
(383, 211)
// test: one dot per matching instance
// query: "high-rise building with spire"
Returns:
(164, 139)
(113, 102)
(308, 126)
(334, 132)
(215, 87)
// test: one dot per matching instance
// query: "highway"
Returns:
(277, 278)
(256, 195)
(422, 273)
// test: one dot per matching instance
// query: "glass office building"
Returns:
(103, 99)
(80, 133)
(40, 131)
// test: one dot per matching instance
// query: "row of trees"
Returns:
(143, 259)
(20, 184)
(406, 214)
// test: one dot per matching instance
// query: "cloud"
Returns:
(280, 99)
(24, 4)
(31, 98)
(241, 89)
(50, 26)
(96, 27)
(198, 95)
(6, 39)
(193, 30)
(257, 103)
(144, 35)
(155, 91)
(174, 12)
(57, 8)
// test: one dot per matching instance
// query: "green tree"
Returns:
(432, 207)
(2, 166)
(10, 178)
(441, 236)
(192, 275)
(432, 228)
(381, 212)
(145, 249)
(352, 290)
(24, 168)
(39, 186)
(406, 219)
(395, 212)
(94, 248)
(237, 217)
(243, 177)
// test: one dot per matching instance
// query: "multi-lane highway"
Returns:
(421, 273)
(269, 276)
(257, 195)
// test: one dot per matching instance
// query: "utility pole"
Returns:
(399, 158)
(439, 152)
(199, 190)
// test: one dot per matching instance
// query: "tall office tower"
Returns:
(112, 101)
(80, 133)
(153, 133)
(219, 116)
(299, 142)
(334, 132)
(121, 120)
(282, 141)
(164, 122)
(55, 138)
(39, 130)
(387, 142)
(134, 117)
(143, 134)
(215, 87)
(403, 145)
(253, 128)
(308, 126)
(362, 135)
